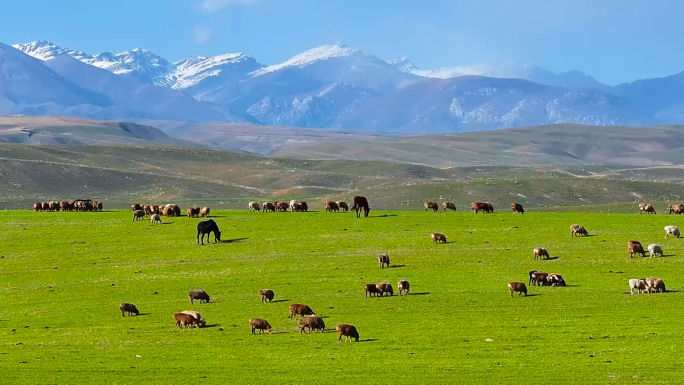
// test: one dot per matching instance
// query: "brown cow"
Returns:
(449, 206)
(267, 295)
(300, 309)
(54, 206)
(46, 206)
(147, 209)
(128, 308)
(331, 206)
(98, 206)
(383, 259)
(348, 331)
(183, 320)
(431, 206)
(261, 325)
(37, 206)
(517, 208)
(485, 207)
(635, 247)
(518, 287)
(403, 286)
(343, 205)
(282, 206)
(193, 212)
(538, 278)
(372, 289)
(438, 238)
(385, 288)
(361, 203)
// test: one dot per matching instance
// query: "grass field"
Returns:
(64, 274)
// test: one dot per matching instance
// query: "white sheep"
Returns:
(638, 284)
(673, 230)
(655, 249)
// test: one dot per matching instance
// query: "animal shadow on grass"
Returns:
(550, 258)
(368, 340)
(281, 300)
(384, 216)
(426, 293)
(396, 266)
(532, 295)
(142, 314)
(234, 240)
(210, 326)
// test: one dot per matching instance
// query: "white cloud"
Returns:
(213, 6)
(203, 34)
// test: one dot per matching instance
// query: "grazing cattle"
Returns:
(300, 309)
(372, 289)
(655, 249)
(331, 206)
(184, 320)
(540, 252)
(87, 206)
(383, 259)
(361, 203)
(282, 206)
(347, 331)
(199, 295)
(138, 215)
(176, 210)
(254, 207)
(267, 295)
(201, 322)
(431, 206)
(168, 212)
(292, 203)
(438, 238)
(671, 230)
(385, 288)
(555, 280)
(485, 207)
(576, 230)
(193, 212)
(54, 206)
(136, 207)
(64, 206)
(517, 208)
(518, 287)
(207, 227)
(37, 207)
(155, 209)
(655, 284)
(342, 205)
(261, 325)
(403, 287)
(147, 209)
(128, 308)
(46, 206)
(538, 278)
(676, 208)
(98, 206)
(268, 206)
(646, 208)
(449, 206)
(155, 218)
(635, 247)
(303, 206)
(637, 284)
(313, 323)
(296, 207)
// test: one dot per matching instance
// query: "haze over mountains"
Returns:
(332, 86)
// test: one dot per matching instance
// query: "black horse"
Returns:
(361, 203)
(207, 227)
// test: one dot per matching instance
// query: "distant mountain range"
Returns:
(332, 86)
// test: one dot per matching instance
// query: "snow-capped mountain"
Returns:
(532, 73)
(45, 50)
(200, 75)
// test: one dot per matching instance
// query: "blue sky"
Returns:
(613, 40)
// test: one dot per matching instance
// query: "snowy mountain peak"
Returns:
(45, 50)
(230, 66)
(403, 64)
(324, 52)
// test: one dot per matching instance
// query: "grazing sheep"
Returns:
(656, 284)
(635, 247)
(184, 320)
(671, 230)
(282, 206)
(361, 204)
(254, 207)
(448, 206)
(176, 210)
(576, 230)
(383, 259)
(201, 322)
(540, 252)
(538, 278)
(261, 325)
(343, 205)
(138, 215)
(193, 212)
(676, 208)
(266, 295)
(331, 206)
(168, 212)
(300, 309)
(136, 207)
(155, 218)
(296, 207)
(485, 207)
(98, 206)
(638, 284)
(555, 280)
(155, 209)
(348, 331)
(438, 238)
(198, 295)
(128, 308)
(654, 249)
(385, 288)
(46, 206)
(517, 287)
(37, 206)
(517, 208)
(372, 289)
(206, 211)
(147, 209)
(313, 323)
(292, 203)
(268, 206)
(646, 208)
(431, 206)
(303, 206)
(403, 287)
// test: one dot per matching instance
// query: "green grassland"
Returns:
(64, 274)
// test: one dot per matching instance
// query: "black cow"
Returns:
(361, 203)
(207, 227)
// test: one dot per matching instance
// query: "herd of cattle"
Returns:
(75, 205)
